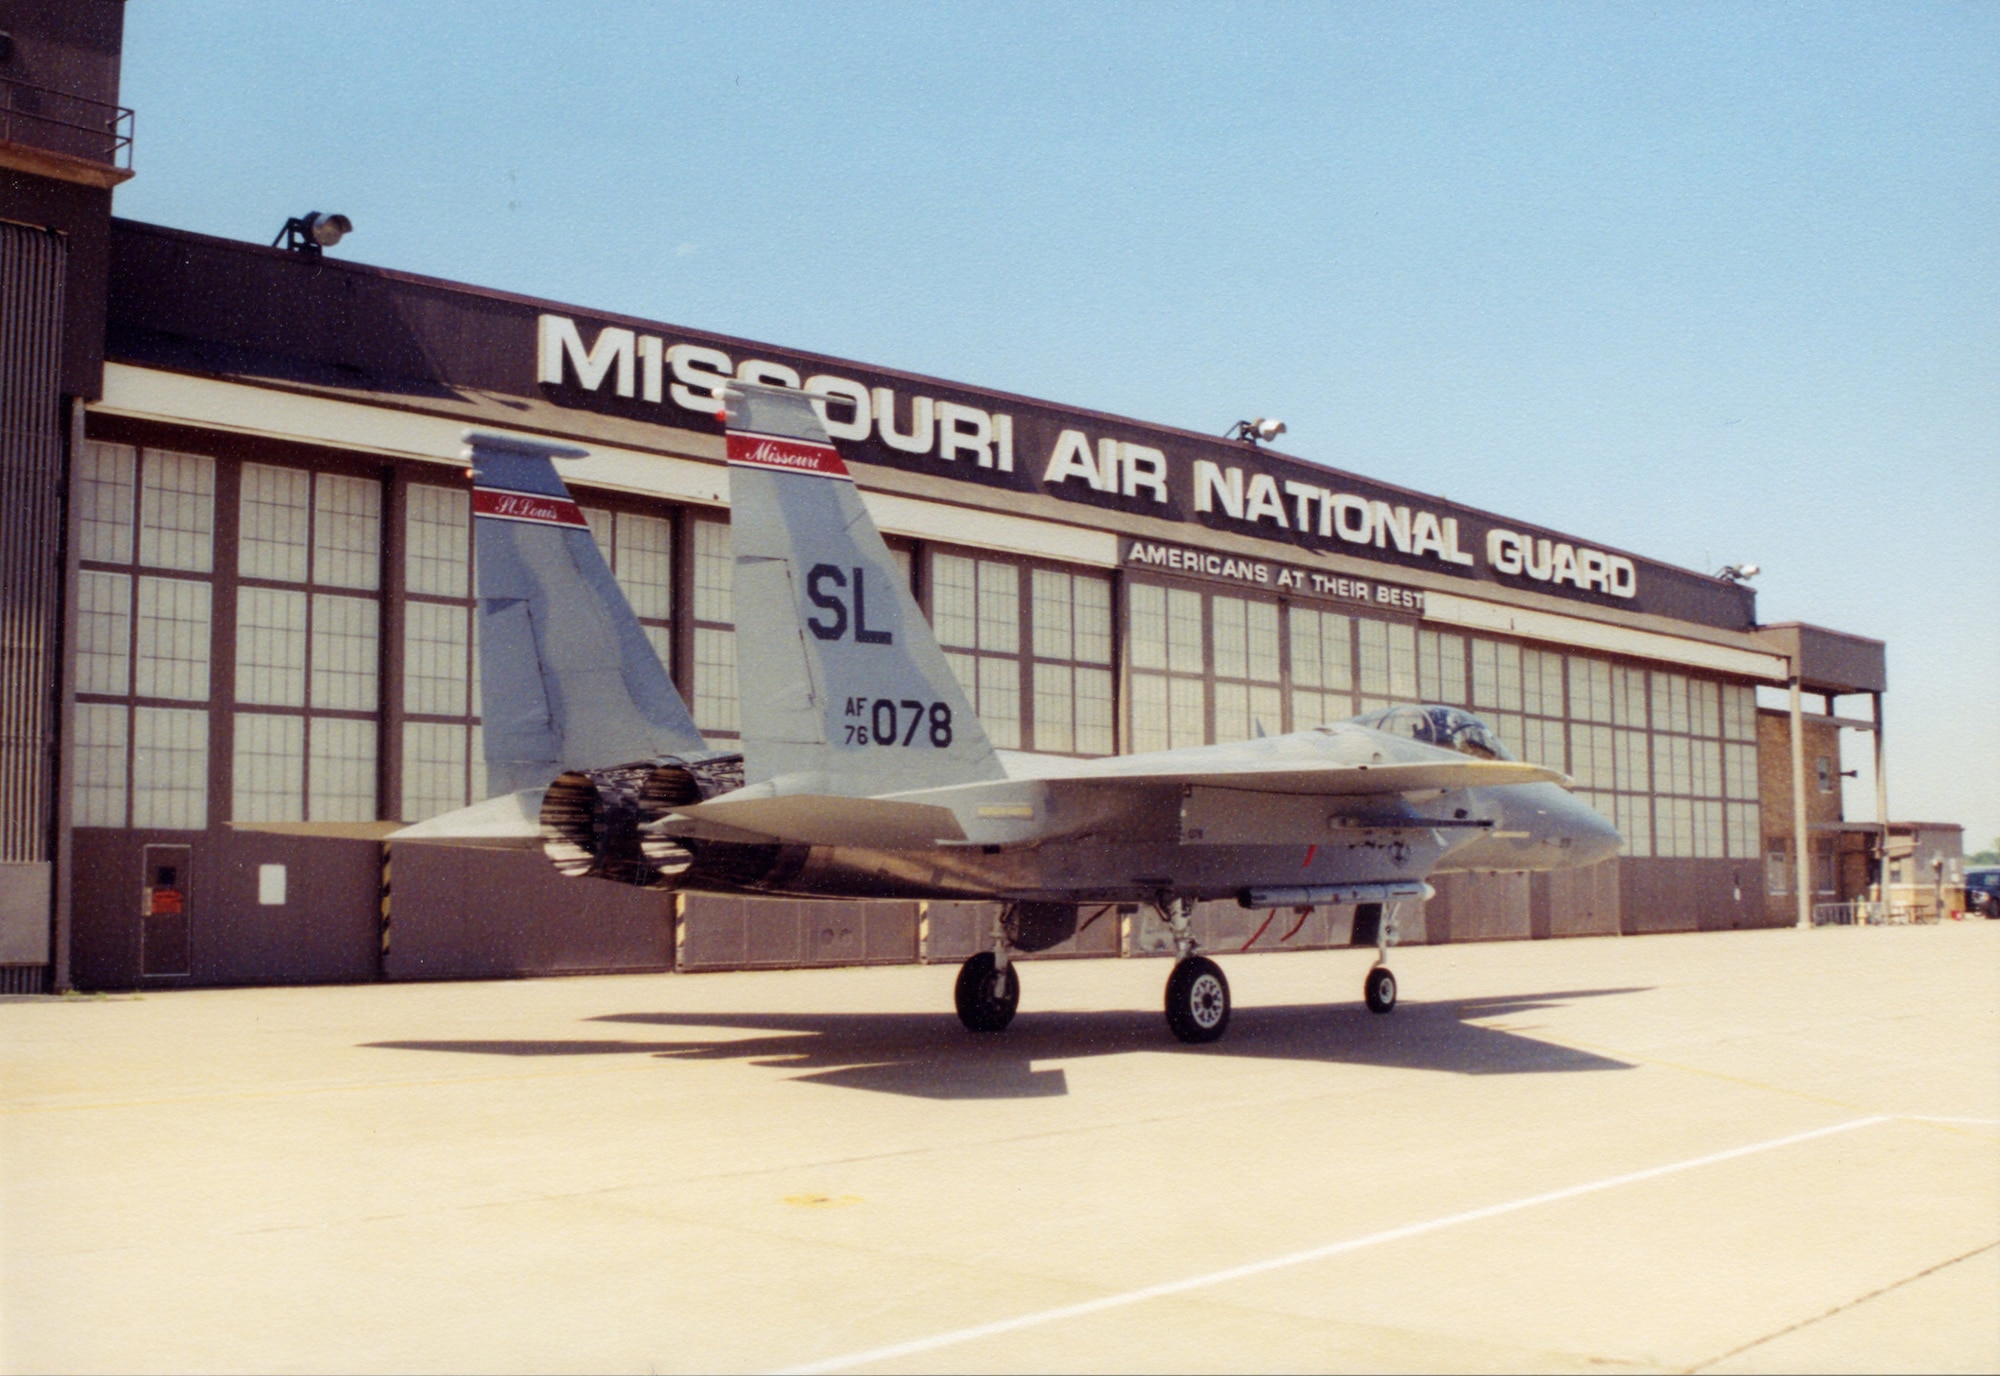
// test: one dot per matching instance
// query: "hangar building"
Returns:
(239, 594)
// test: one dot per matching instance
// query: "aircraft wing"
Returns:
(818, 819)
(510, 821)
(1311, 777)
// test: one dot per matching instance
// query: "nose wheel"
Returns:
(987, 993)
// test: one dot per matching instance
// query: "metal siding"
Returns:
(31, 330)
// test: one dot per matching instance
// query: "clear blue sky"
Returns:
(1712, 282)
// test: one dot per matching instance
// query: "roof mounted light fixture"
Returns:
(1252, 431)
(312, 232)
(1737, 573)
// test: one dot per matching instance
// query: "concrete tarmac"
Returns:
(1759, 1151)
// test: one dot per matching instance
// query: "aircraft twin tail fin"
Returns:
(844, 689)
(568, 678)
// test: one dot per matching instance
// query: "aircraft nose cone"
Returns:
(1596, 838)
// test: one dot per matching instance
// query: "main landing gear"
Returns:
(989, 987)
(1376, 923)
(989, 984)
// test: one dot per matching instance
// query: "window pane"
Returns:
(271, 647)
(999, 607)
(99, 765)
(1375, 658)
(173, 639)
(1704, 708)
(433, 769)
(1485, 674)
(1305, 647)
(1055, 697)
(1508, 658)
(1148, 647)
(955, 600)
(714, 582)
(1149, 713)
(715, 705)
(1184, 631)
(1054, 634)
(105, 477)
(1402, 661)
(435, 660)
(1093, 712)
(1336, 651)
(347, 533)
(435, 564)
(1635, 821)
(1310, 709)
(1708, 830)
(1232, 712)
(269, 768)
(1186, 709)
(177, 511)
(646, 565)
(1628, 697)
(346, 657)
(1227, 618)
(1092, 617)
(272, 540)
(169, 768)
(1261, 641)
(475, 765)
(103, 633)
(1441, 667)
(343, 770)
(1000, 700)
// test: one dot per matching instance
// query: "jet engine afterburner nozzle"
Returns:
(592, 820)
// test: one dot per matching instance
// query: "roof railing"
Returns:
(59, 122)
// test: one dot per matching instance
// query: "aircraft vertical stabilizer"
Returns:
(844, 689)
(568, 679)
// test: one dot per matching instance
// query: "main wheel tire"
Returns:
(1380, 990)
(1198, 1000)
(987, 995)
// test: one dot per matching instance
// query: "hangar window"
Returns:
(976, 613)
(1169, 668)
(1704, 791)
(1247, 692)
(1441, 667)
(1070, 614)
(443, 765)
(145, 612)
(1322, 666)
(1520, 691)
(639, 551)
(1388, 662)
(301, 648)
(714, 698)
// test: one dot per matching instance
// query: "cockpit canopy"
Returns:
(1454, 728)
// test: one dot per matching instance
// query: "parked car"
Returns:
(1982, 890)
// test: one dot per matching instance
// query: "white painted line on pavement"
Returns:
(1333, 1249)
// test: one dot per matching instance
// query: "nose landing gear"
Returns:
(987, 993)
(1376, 923)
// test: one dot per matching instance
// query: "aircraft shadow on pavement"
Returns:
(929, 1056)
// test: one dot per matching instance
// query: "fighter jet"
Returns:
(865, 772)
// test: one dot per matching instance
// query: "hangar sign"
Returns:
(1029, 446)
